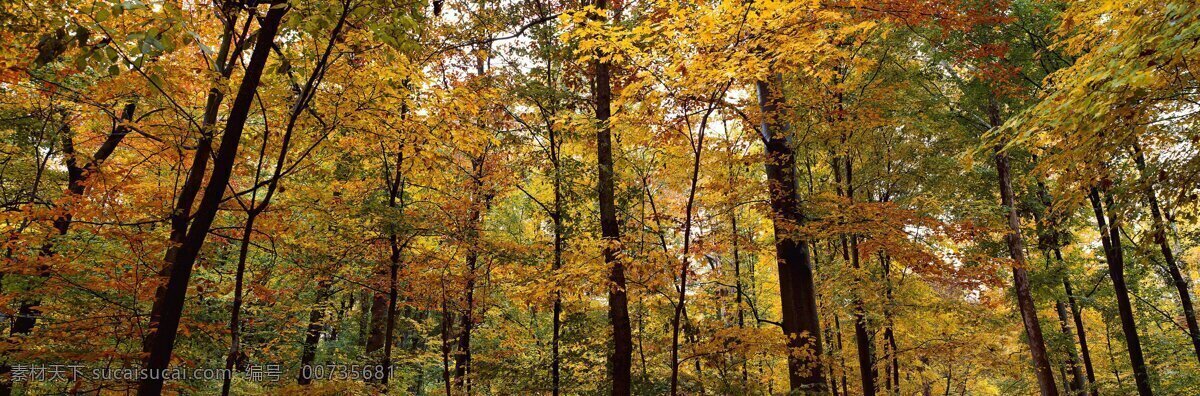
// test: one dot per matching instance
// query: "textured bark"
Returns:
(797, 291)
(168, 307)
(1110, 237)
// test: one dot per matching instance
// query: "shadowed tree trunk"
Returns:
(168, 307)
(620, 361)
(1110, 237)
(1049, 241)
(312, 335)
(797, 291)
(1160, 238)
(1016, 248)
(1080, 332)
(843, 177)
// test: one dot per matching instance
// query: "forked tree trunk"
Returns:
(1110, 237)
(168, 307)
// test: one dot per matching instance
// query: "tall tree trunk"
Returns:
(1048, 240)
(1110, 237)
(235, 321)
(889, 333)
(462, 360)
(168, 308)
(1160, 238)
(256, 208)
(1016, 248)
(480, 201)
(1080, 331)
(843, 177)
(620, 362)
(797, 291)
(738, 289)
(685, 267)
(312, 335)
(1077, 385)
(557, 217)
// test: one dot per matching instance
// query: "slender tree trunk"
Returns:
(837, 325)
(1048, 240)
(168, 308)
(889, 335)
(685, 267)
(312, 335)
(843, 177)
(621, 360)
(738, 289)
(235, 334)
(1110, 237)
(481, 200)
(446, 323)
(1080, 332)
(462, 360)
(557, 217)
(1160, 238)
(797, 291)
(1016, 248)
(1077, 385)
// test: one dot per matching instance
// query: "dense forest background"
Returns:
(839, 197)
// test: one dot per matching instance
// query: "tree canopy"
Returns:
(834, 197)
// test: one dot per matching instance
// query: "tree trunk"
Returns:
(797, 291)
(480, 201)
(1160, 238)
(1016, 247)
(843, 177)
(685, 267)
(620, 362)
(1080, 332)
(312, 335)
(1110, 237)
(556, 337)
(168, 308)
(235, 321)
(889, 334)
